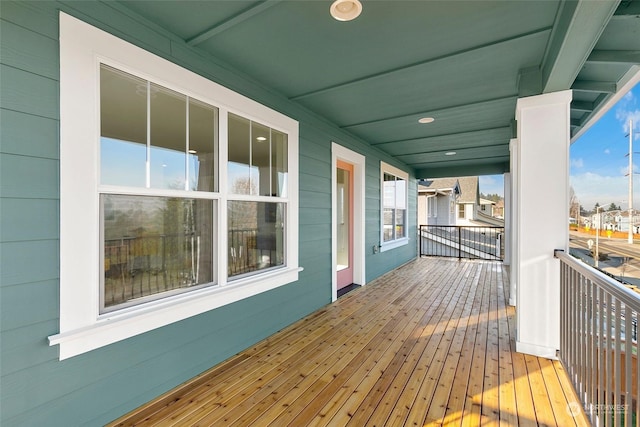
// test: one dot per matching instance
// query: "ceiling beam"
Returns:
(435, 112)
(594, 86)
(235, 20)
(628, 9)
(447, 142)
(497, 167)
(615, 56)
(582, 106)
(576, 30)
(343, 85)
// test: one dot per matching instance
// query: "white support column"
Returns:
(506, 214)
(509, 235)
(540, 182)
(513, 276)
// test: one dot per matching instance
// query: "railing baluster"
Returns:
(628, 387)
(593, 358)
(616, 363)
(598, 328)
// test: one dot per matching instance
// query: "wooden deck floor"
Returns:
(430, 343)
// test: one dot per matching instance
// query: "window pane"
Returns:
(401, 193)
(155, 245)
(387, 224)
(400, 227)
(279, 163)
(168, 138)
(239, 155)
(256, 236)
(203, 146)
(389, 190)
(123, 128)
(260, 159)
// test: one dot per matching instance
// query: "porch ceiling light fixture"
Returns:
(346, 10)
(450, 153)
(425, 120)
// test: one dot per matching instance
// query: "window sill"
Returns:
(117, 326)
(394, 244)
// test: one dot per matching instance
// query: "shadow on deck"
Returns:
(430, 343)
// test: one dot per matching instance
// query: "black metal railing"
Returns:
(476, 242)
(598, 342)
(251, 250)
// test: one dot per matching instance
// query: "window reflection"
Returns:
(203, 146)
(123, 128)
(239, 154)
(180, 150)
(168, 138)
(154, 245)
(257, 159)
(394, 208)
(256, 236)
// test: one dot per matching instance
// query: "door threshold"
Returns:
(347, 289)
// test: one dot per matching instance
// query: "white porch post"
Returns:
(540, 221)
(509, 235)
(506, 214)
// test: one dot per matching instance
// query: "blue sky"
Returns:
(599, 162)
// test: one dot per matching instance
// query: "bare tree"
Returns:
(574, 204)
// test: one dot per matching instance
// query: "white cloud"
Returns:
(577, 163)
(627, 110)
(592, 188)
(607, 151)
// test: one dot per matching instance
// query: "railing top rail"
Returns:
(612, 286)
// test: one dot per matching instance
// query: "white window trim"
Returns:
(82, 328)
(385, 246)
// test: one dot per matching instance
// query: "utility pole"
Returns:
(630, 238)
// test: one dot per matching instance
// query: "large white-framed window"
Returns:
(394, 184)
(177, 195)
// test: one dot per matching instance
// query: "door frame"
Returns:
(358, 161)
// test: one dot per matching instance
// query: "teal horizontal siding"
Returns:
(38, 17)
(28, 92)
(27, 304)
(28, 177)
(93, 388)
(314, 199)
(28, 219)
(25, 50)
(28, 135)
(24, 348)
(28, 262)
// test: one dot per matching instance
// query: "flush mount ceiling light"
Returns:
(426, 120)
(346, 10)
(261, 138)
(450, 153)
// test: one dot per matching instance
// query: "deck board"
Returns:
(430, 343)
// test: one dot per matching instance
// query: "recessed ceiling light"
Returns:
(426, 120)
(450, 153)
(346, 10)
(261, 138)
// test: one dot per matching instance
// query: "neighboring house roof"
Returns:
(470, 190)
(439, 186)
(486, 202)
